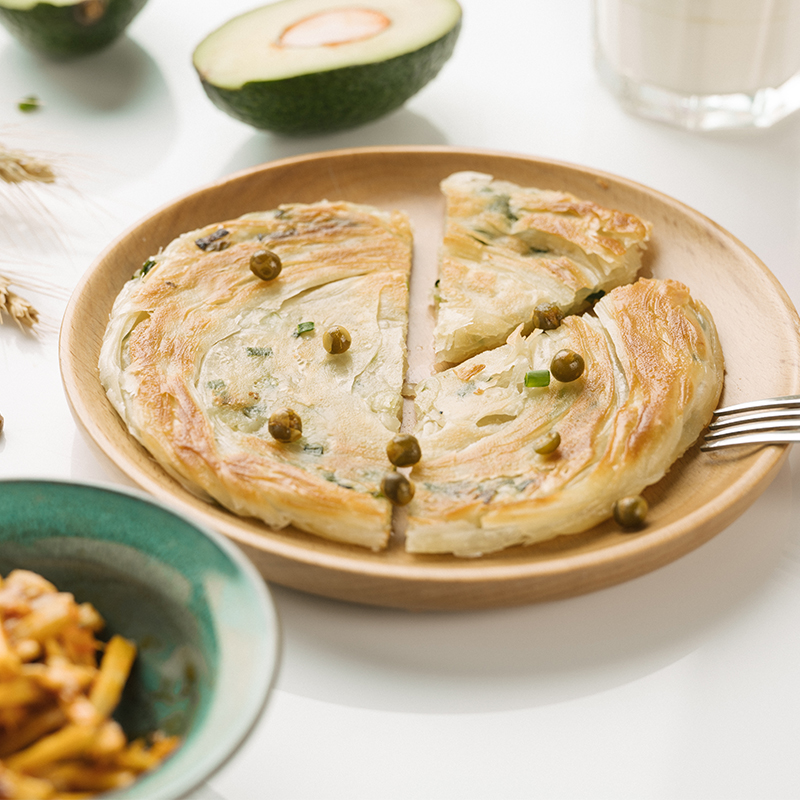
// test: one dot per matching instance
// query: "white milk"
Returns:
(699, 47)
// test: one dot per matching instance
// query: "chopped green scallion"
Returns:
(303, 327)
(29, 103)
(213, 242)
(537, 377)
(259, 351)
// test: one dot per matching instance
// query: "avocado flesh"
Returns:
(68, 29)
(323, 89)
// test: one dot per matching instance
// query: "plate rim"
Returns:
(665, 544)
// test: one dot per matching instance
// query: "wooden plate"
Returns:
(700, 495)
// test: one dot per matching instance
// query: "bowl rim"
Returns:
(182, 784)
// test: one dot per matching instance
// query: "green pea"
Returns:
(547, 444)
(265, 265)
(631, 512)
(336, 340)
(567, 366)
(285, 425)
(397, 488)
(547, 316)
(404, 450)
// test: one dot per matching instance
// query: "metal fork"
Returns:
(772, 421)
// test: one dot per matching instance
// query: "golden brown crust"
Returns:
(653, 376)
(199, 353)
(507, 249)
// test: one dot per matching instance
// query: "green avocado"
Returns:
(301, 67)
(67, 28)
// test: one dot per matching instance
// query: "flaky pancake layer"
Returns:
(507, 249)
(652, 379)
(199, 353)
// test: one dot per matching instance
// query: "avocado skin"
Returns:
(323, 102)
(57, 32)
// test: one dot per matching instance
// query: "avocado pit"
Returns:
(334, 27)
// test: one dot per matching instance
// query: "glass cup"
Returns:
(701, 64)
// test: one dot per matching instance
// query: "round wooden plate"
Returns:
(701, 494)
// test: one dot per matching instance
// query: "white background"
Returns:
(684, 683)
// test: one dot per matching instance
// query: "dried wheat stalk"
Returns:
(17, 166)
(19, 309)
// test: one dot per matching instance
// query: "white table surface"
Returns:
(684, 683)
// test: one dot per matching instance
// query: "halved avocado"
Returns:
(68, 28)
(313, 66)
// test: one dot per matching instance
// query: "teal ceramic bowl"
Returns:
(200, 613)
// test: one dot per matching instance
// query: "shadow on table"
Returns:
(403, 127)
(539, 654)
(109, 102)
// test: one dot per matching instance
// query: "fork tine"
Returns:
(785, 437)
(758, 426)
(775, 420)
(790, 401)
(756, 416)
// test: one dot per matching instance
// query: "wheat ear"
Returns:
(17, 166)
(18, 308)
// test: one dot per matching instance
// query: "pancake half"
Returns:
(199, 352)
(653, 376)
(507, 249)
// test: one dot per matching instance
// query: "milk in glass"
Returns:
(701, 63)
